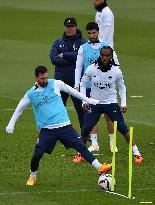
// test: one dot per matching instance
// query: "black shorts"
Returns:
(67, 135)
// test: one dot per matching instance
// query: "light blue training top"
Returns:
(90, 55)
(47, 106)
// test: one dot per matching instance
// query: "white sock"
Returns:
(96, 164)
(135, 150)
(33, 174)
(111, 136)
(94, 139)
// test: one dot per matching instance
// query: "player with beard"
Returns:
(105, 20)
(52, 120)
(88, 53)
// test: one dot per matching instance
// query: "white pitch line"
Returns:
(63, 155)
(149, 124)
(115, 193)
(68, 191)
(72, 108)
(145, 202)
(44, 192)
(12, 109)
(8, 97)
(136, 96)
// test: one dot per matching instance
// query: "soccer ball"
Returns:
(104, 182)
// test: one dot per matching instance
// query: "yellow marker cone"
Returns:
(113, 157)
(130, 162)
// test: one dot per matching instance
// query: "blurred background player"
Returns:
(88, 53)
(105, 76)
(105, 20)
(52, 121)
(63, 55)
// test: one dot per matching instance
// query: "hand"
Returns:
(85, 107)
(9, 129)
(61, 55)
(123, 109)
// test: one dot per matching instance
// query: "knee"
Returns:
(122, 128)
(80, 110)
(85, 132)
(84, 139)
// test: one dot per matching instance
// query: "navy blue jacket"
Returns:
(65, 67)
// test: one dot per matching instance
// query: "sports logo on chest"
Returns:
(102, 82)
(61, 46)
(75, 48)
(110, 77)
(105, 86)
(42, 98)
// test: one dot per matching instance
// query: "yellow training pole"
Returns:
(130, 162)
(113, 157)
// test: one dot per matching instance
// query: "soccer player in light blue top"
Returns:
(52, 120)
(89, 53)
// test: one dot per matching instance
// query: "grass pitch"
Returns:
(27, 30)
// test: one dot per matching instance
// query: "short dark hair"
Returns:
(40, 69)
(91, 26)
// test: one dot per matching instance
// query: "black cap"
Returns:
(70, 21)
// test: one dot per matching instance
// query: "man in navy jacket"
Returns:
(63, 55)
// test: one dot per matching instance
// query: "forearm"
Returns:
(81, 96)
(122, 94)
(115, 58)
(55, 58)
(122, 91)
(58, 61)
(19, 110)
(86, 79)
(79, 66)
(78, 71)
(70, 56)
(83, 87)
